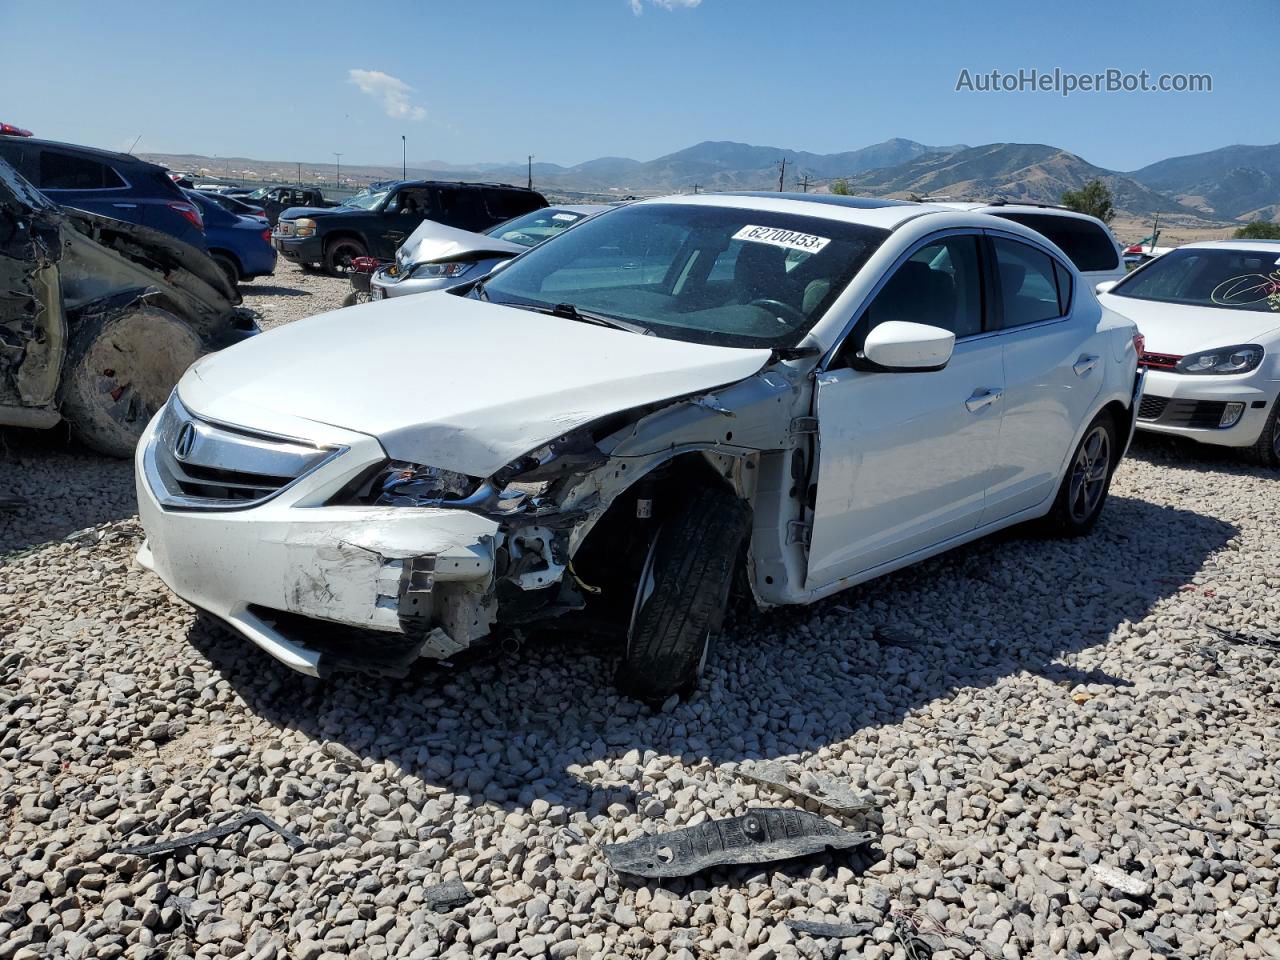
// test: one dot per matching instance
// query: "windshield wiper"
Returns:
(569, 312)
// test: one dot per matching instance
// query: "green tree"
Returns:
(841, 187)
(1094, 198)
(1259, 230)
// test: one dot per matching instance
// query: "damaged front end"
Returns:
(99, 318)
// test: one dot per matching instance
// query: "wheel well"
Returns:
(227, 255)
(1122, 417)
(344, 235)
(616, 545)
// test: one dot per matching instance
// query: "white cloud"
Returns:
(637, 6)
(392, 91)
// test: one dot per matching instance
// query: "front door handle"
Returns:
(983, 398)
(1086, 363)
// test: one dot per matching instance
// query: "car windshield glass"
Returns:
(1205, 277)
(718, 275)
(365, 201)
(259, 193)
(535, 227)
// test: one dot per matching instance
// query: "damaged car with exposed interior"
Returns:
(777, 394)
(100, 317)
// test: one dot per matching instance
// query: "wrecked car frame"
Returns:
(489, 458)
(99, 318)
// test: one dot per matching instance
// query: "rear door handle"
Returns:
(983, 398)
(1086, 363)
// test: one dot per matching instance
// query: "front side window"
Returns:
(939, 285)
(664, 268)
(1205, 277)
(61, 171)
(1028, 284)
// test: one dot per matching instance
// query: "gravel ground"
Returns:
(1067, 757)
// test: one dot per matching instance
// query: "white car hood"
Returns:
(1178, 329)
(431, 242)
(450, 382)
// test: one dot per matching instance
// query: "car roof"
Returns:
(1266, 247)
(94, 152)
(870, 211)
(997, 207)
(391, 184)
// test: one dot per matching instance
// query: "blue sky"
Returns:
(571, 80)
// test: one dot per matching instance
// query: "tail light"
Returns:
(1140, 343)
(190, 211)
(266, 236)
(9, 130)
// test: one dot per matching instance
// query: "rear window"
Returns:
(1086, 244)
(505, 204)
(65, 171)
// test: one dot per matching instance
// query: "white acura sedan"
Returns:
(814, 390)
(1210, 313)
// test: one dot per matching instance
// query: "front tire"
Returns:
(682, 594)
(1266, 452)
(339, 254)
(1087, 481)
(120, 370)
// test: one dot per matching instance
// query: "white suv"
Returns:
(1088, 242)
(814, 390)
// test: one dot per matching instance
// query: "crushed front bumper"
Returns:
(284, 572)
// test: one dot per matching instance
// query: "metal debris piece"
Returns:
(820, 928)
(1247, 637)
(758, 836)
(1119, 880)
(825, 791)
(213, 833)
(443, 897)
(894, 637)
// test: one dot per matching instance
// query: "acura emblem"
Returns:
(186, 440)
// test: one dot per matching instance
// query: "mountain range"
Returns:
(1231, 183)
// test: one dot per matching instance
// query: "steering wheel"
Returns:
(786, 308)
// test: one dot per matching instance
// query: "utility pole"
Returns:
(404, 158)
(337, 176)
(299, 173)
(696, 187)
(530, 183)
(782, 173)
(803, 180)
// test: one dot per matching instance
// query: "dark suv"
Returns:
(109, 184)
(375, 223)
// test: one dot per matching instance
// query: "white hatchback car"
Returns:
(813, 390)
(1210, 313)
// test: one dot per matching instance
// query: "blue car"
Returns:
(109, 184)
(240, 246)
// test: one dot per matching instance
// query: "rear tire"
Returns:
(228, 268)
(682, 594)
(339, 254)
(1266, 451)
(120, 370)
(1085, 486)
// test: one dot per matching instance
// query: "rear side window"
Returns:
(1028, 282)
(505, 204)
(64, 171)
(1086, 244)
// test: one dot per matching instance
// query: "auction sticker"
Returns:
(781, 237)
(565, 216)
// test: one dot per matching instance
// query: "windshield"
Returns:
(365, 201)
(715, 275)
(535, 227)
(259, 193)
(1205, 277)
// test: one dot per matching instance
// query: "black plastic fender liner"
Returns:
(214, 833)
(758, 836)
(838, 929)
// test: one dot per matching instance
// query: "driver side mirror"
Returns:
(1105, 286)
(900, 346)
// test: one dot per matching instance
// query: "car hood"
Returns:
(1178, 329)
(433, 241)
(451, 382)
(293, 213)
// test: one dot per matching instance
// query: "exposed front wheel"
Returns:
(1267, 450)
(681, 595)
(1088, 479)
(120, 371)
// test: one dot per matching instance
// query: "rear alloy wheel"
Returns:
(339, 254)
(1088, 479)
(681, 595)
(1267, 450)
(120, 371)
